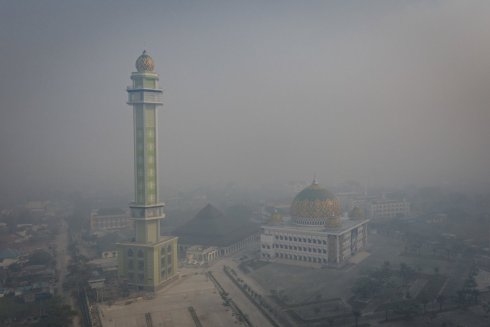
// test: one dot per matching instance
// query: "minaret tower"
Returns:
(150, 259)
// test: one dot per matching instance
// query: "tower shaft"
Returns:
(145, 96)
(150, 260)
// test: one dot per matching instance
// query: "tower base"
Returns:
(150, 266)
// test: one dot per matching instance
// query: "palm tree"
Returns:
(357, 314)
(424, 301)
(440, 299)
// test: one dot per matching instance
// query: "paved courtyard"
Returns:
(169, 308)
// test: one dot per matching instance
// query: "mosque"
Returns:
(316, 235)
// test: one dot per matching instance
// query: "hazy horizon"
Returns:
(385, 93)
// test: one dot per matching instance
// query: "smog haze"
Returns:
(255, 92)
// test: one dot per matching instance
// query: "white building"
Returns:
(381, 209)
(316, 236)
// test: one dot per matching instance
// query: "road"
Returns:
(248, 308)
(62, 259)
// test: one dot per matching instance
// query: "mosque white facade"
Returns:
(316, 235)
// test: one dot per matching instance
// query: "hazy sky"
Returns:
(384, 92)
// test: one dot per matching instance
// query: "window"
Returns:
(130, 252)
(140, 254)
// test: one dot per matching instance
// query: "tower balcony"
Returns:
(154, 211)
(141, 96)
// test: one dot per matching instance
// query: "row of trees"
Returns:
(50, 312)
(383, 279)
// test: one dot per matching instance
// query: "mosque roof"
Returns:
(314, 192)
(110, 211)
(212, 227)
(314, 202)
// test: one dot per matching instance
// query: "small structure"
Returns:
(201, 255)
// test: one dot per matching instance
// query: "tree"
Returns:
(40, 257)
(406, 308)
(441, 299)
(56, 314)
(366, 287)
(424, 299)
(357, 314)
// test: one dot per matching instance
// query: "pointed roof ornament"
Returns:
(145, 63)
(315, 180)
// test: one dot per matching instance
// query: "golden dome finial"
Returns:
(145, 63)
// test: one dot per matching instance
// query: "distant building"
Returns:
(109, 219)
(212, 228)
(350, 200)
(380, 209)
(436, 218)
(317, 235)
(37, 207)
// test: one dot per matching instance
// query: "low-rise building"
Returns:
(383, 208)
(109, 219)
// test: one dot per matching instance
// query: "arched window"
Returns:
(130, 252)
(140, 254)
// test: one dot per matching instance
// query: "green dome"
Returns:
(314, 192)
(316, 206)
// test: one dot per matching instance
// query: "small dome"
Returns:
(275, 219)
(145, 63)
(356, 213)
(316, 206)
